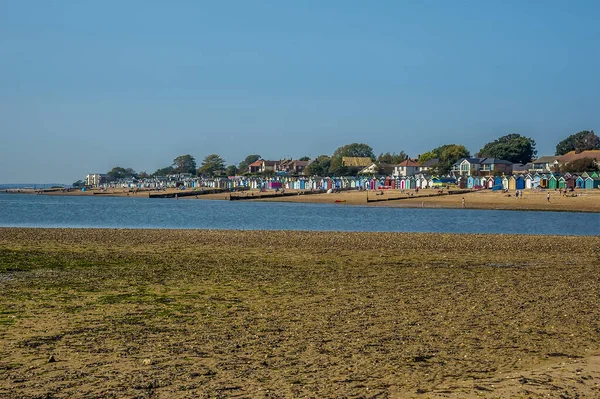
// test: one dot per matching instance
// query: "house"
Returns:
(491, 166)
(481, 166)
(95, 179)
(380, 169)
(545, 164)
(406, 168)
(297, 167)
(429, 165)
(255, 166)
(466, 166)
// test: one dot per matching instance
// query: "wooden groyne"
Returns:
(187, 193)
(450, 192)
(255, 196)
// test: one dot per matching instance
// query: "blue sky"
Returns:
(88, 85)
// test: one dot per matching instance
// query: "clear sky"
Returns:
(88, 85)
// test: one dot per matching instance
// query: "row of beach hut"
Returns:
(529, 181)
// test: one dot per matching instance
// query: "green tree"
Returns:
(512, 147)
(79, 183)
(448, 154)
(168, 170)
(337, 167)
(211, 164)
(143, 175)
(392, 158)
(580, 165)
(427, 156)
(304, 159)
(319, 167)
(232, 170)
(243, 165)
(119, 172)
(578, 142)
(184, 164)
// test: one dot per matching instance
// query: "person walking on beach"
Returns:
(463, 202)
(548, 197)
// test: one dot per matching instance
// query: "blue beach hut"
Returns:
(497, 184)
(520, 183)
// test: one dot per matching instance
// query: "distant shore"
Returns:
(577, 201)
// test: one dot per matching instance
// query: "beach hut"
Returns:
(520, 183)
(591, 183)
(410, 183)
(562, 183)
(580, 182)
(490, 182)
(512, 183)
(469, 183)
(552, 182)
(528, 181)
(497, 184)
(594, 175)
(505, 183)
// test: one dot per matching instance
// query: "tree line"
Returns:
(511, 147)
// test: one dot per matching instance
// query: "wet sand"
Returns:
(181, 314)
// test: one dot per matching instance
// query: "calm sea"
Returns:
(18, 210)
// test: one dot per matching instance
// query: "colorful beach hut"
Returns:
(591, 183)
(497, 184)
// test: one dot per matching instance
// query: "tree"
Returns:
(578, 142)
(392, 158)
(119, 172)
(184, 164)
(427, 156)
(580, 165)
(512, 147)
(304, 159)
(319, 167)
(355, 150)
(232, 170)
(211, 164)
(164, 171)
(243, 166)
(337, 167)
(448, 154)
(143, 175)
(79, 183)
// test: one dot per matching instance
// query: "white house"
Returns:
(407, 168)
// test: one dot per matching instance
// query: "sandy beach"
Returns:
(181, 314)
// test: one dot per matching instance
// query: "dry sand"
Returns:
(215, 314)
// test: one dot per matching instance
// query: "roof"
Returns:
(546, 159)
(357, 161)
(271, 163)
(432, 162)
(408, 162)
(495, 161)
(301, 163)
(572, 156)
(256, 163)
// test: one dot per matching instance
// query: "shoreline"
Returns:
(532, 200)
